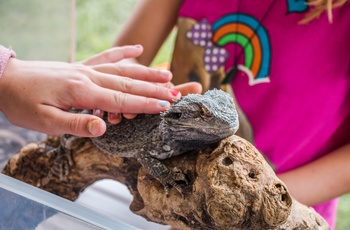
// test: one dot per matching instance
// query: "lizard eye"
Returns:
(175, 115)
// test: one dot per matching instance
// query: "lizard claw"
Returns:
(178, 175)
(63, 162)
(175, 176)
(165, 176)
(61, 165)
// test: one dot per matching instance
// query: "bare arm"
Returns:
(38, 94)
(149, 25)
(321, 180)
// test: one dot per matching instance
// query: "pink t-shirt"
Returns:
(291, 80)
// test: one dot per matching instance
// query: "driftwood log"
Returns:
(231, 186)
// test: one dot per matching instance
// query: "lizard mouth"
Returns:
(217, 128)
(204, 132)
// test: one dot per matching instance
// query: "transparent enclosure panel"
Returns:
(26, 207)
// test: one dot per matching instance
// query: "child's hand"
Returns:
(37, 95)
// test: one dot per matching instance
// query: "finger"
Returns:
(114, 55)
(62, 122)
(190, 87)
(129, 115)
(128, 103)
(114, 118)
(118, 102)
(97, 112)
(135, 71)
(137, 87)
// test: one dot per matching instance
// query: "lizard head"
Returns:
(196, 119)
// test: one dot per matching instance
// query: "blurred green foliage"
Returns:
(343, 214)
(99, 22)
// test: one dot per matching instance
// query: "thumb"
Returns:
(83, 125)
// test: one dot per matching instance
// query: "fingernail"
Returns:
(98, 113)
(94, 127)
(114, 115)
(163, 103)
(165, 72)
(174, 92)
(137, 46)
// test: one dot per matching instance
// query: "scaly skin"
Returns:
(191, 123)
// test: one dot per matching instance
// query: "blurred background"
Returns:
(53, 30)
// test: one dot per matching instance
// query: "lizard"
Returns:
(190, 123)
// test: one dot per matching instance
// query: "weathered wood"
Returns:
(231, 186)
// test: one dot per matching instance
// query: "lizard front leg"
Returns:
(63, 158)
(162, 173)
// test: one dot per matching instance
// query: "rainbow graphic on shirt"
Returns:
(248, 33)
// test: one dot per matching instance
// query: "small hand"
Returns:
(186, 88)
(38, 95)
(109, 56)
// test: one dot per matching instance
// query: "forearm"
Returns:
(321, 180)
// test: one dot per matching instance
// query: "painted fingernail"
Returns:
(98, 113)
(114, 115)
(137, 46)
(174, 92)
(163, 103)
(94, 127)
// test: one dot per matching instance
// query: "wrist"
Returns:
(5, 55)
(7, 83)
